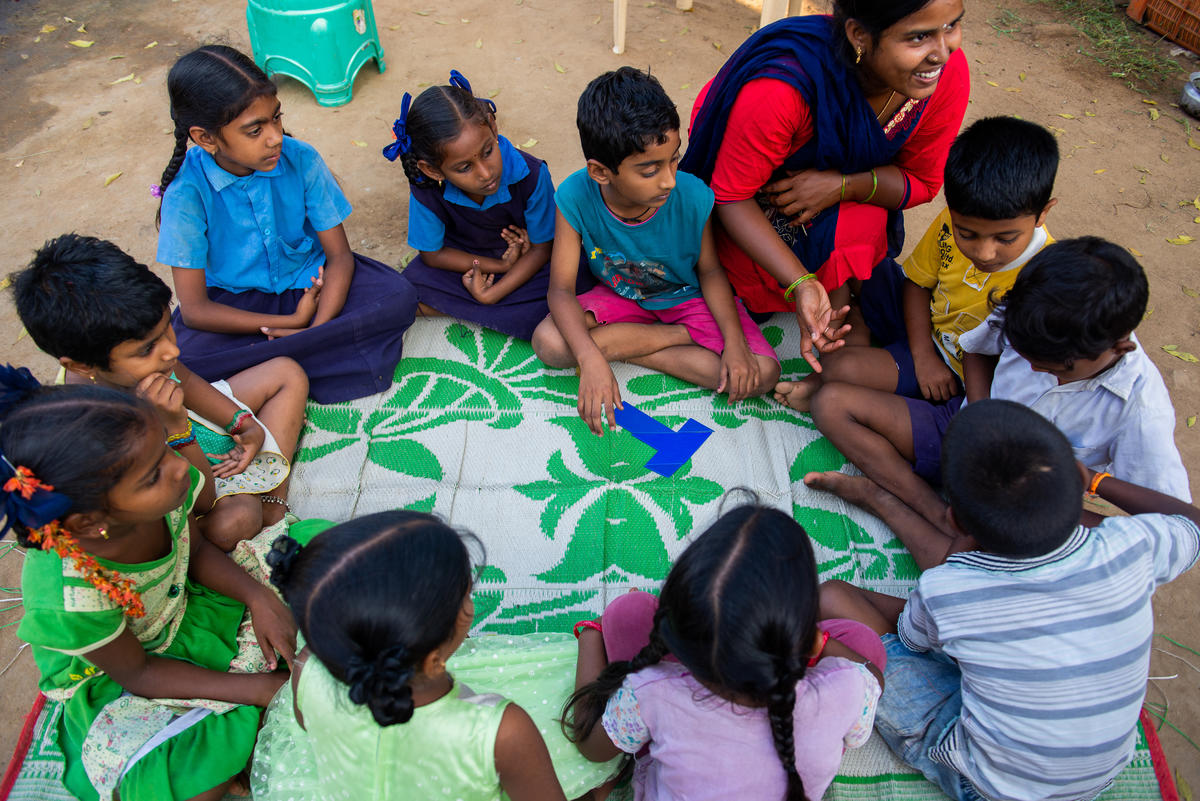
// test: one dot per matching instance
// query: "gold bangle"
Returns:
(787, 293)
(843, 189)
(874, 187)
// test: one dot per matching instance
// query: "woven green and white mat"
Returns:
(479, 431)
(476, 429)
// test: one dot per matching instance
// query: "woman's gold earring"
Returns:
(858, 51)
(103, 533)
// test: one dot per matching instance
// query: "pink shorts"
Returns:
(609, 307)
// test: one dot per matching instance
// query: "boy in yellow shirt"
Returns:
(999, 179)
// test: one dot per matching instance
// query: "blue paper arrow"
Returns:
(672, 448)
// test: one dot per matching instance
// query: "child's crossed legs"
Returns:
(682, 341)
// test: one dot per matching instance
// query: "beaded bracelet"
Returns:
(787, 293)
(238, 422)
(178, 442)
(874, 187)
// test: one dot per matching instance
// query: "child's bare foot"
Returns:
(797, 394)
(858, 490)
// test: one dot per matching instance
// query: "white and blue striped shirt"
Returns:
(1054, 653)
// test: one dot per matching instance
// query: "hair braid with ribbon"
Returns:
(437, 116)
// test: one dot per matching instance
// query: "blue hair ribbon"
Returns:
(400, 131)
(457, 79)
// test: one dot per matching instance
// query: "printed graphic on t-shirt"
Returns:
(633, 279)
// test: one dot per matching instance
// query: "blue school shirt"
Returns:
(257, 231)
(652, 262)
(427, 231)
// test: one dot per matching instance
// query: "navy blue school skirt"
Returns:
(351, 356)
(516, 315)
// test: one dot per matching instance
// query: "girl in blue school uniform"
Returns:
(251, 225)
(481, 212)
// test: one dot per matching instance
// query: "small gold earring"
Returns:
(103, 532)
(858, 51)
(92, 378)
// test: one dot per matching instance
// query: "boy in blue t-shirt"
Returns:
(664, 301)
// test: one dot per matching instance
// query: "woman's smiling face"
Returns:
(909, 56)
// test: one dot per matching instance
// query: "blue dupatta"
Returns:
(802, 52)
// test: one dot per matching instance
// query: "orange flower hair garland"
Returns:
(53, 537)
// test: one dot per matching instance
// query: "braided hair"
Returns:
(373, 598)
(438, 116)
(209, 87)
(739, 611)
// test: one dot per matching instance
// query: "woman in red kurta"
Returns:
(813, 136)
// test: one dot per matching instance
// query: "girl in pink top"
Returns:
(726, 686)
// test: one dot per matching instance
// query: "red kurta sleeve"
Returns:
(923, 157)
(768, 122)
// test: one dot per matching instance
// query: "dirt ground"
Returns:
(83, 134)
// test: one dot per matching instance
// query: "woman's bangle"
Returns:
(874, 187)
(586, 624)
(843, 189)
(178, 442)
(787, 293)
(1096, 479)
(238, 422)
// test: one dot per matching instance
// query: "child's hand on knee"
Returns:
(739, 372)
(166, 396)
(935, 378)
(249, 443)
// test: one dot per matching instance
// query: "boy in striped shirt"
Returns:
(1017, 666)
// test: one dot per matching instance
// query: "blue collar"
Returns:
(220, 178)
(513, 169)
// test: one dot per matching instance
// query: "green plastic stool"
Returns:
(321, 43)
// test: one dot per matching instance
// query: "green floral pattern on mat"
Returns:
(475, 428)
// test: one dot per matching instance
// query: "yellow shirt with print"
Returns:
(960, 291)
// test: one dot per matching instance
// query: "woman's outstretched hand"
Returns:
(822, 330)
(804, 194)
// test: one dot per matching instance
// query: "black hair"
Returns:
(621, 113)
(78, 439)
(375, 596)
(81, 296)
(1001, 168)
(1074, 300)
(1011, 479)
(739, 611)
(437, 116)
(875, 16)
(209, 87)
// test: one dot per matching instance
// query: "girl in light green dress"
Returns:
(159, 646)
(383, 603)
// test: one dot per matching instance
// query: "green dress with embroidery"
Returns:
(166, 749)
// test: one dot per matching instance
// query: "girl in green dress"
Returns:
(137, 626)
(383, 602)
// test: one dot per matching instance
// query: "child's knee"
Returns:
(550, 346)
(830, 404)
(835, 597)
(234, 518)
(288, 375)
(769, 372)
